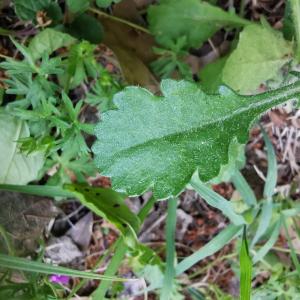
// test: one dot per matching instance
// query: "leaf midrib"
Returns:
(213, 122)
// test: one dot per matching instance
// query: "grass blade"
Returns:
(245, 269)
(264, 222)
(269, 244)
(217, 201)
(210, 248)
(39, 190)
(244, 189)
(22, 264)
(271, 179)
(166, 292)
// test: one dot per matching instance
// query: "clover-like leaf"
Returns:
(158, 142)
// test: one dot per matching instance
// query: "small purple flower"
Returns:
(62, 279)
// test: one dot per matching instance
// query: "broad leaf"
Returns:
(159, 142)
(48, 41)
(28, 9)
(16, 167)
(111, 206)
(197, 20)
(260, 54)
(78, 6)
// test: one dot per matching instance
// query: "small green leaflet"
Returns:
(157, 143)
(48, 41)
(260, 54)
(111, 206)
(197, 20)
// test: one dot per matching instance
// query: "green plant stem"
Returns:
(121, 249)
(114, 18)
(166, 292)
(242, 8)
(279, 249)
(295, 7)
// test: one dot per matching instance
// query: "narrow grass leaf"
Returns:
(217, 201)
(271, 180)
(245, 269)
(269, 244)
(244, 189)
(22, 264)
(223, 238)
(39, 190)
(264, 222)
(166, 292)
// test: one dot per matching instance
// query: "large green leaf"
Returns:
(197, 20)
(16, 167)
(111, 206)
(159, 142)
(48, 41)
(260, 54)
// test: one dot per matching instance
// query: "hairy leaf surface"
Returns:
(197, 20)
(260, 54)
(159, 142)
